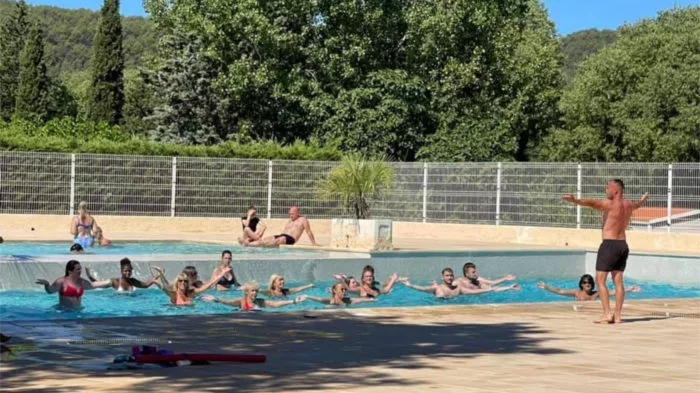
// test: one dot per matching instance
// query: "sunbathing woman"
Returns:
(70, 287)
(182, 293)
(338, 297)
(586, 289)
(125, 283)
(250, 301)
(276, 287)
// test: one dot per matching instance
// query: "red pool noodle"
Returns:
(200, 357)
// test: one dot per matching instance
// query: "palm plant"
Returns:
(357, 182)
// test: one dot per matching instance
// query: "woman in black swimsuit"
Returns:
(229, 279)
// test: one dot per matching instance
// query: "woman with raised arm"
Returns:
(586, 289)
(276, 287)
(250, 300)
(181, 292)
(351, 283)
(126, 283)
(368, 286)
(338, 297)
(229, 279)
(71, 286)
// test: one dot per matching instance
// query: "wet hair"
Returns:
(447, 269)
(584, 278)
(76, 247)
(70, 266)
(124, 262)
(273, 278)
(189, 269)
(467, 266)
(367, 268)
(226, 252)
(619, 182)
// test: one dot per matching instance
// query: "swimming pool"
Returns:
(133, 248)
(38, 305)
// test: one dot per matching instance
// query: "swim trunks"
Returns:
(612, 255)
(290, 240)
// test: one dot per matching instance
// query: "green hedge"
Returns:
(68, 135)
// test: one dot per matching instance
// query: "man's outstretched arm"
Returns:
(638, 204)
(597, 204)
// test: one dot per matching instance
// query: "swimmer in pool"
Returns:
(250, 300)
(71, 286)
(448, 288)
(471, 279)
(351, 283)
(586, 289)
(276, 287)
(182, 292)
(253, 228)
(82, 226)
(125, 283)
(229, 279)
(368, 286)
(100, 240)
(338, 298)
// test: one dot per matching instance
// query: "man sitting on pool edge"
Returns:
(293, 230)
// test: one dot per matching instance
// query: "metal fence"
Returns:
(477, 193)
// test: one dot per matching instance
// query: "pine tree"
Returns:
(106, 93)
(12, 35)
(32, 92)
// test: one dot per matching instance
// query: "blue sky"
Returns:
(568, 15)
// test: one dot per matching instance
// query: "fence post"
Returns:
(669, 202)
(269, 189)
(578, 196)
(72, 184)
(498, 195)
(425, 192)
(172, 191)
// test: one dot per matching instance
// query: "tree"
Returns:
(12, 36)
(139, 103)
(32, 102)
(576, 47)
(357, 182)
(636, 100)
(106, 94)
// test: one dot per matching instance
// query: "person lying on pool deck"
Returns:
(338, 297)
(125, 283)
(70, 287)
(291, 234)
(471, 279)
(250, 300)
(182, 292)
(448, 289)
(586, 289)
(276, 287)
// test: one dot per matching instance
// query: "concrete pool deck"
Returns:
(503, 348)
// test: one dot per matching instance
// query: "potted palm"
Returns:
(356, 183)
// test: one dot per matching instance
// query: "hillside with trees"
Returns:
(577, 46)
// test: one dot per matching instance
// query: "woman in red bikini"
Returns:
(250, 301)
(70, 287)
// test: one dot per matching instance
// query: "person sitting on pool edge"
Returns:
(586, 289)
(291, 234)
(471, 279)
(250, 300)
(276, 287)
(449, 289)
(338, 298)
(71, 286)
(82, 226)
(126, 283)
(253, 228)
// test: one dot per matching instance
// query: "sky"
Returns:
(568, 15)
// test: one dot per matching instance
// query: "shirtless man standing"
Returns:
(293, 230)
(613, 251)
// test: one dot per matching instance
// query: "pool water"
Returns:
(132, 248)
(38, 305)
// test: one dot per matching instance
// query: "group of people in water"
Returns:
(187, 286)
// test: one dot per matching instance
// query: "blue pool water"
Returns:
(38, 305)
(131, 248)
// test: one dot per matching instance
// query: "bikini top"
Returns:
(86, 228)
(181, 300)
(70, 291)
(225, 282)
(120, 289)
(245, 306)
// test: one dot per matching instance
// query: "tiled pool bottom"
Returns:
(37, 305)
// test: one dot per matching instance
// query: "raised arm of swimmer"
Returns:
(392, 280)
(213, 281)
(558, 291)
(51, 288)
(98, 284)
(430, 289)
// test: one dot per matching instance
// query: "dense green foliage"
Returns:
(69, 37)
(577, 46)
(33, 88)
(106, 92)
(13, 31)
(638, 99)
